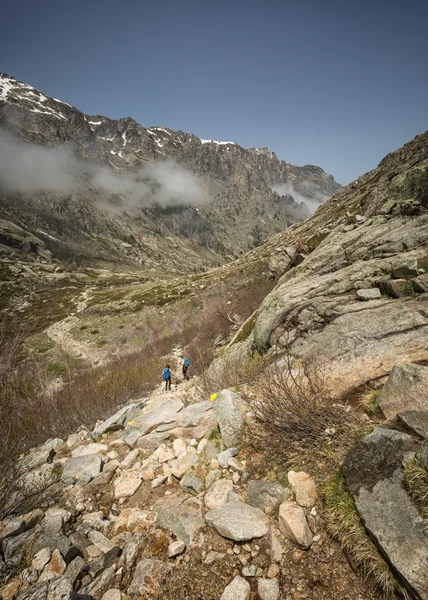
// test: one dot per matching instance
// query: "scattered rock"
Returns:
(224, 457)
(112, 594)
(191, 484)
(55, 568)
(130, 458)
(37, 458)
(416, 421)
(213, 557)
(101, 583)
(217, 494)
(304, 488)
(293, 524)
(99, 540)
(249, 571)
(212, 476)
(227, 408)
(423, 454)
(75, 569)
(127, 484)
(179, 447)
(192, 414)
(133, 520)
(180, 466)
(158, 481)
(176, 548)
(41, 559)
(273, 571)
(263, 494)
(183, 518)
(369, 294)
(163, 453)
(132, 435)
(238, 521)
(275, 546)
(150, 441)
(268, 589)
(147, 576)
(14, 547)
(163, 414)
(238, 589)
(406, 389)
(103, 562)
(81, 469)
(404, 266)
(11, 527)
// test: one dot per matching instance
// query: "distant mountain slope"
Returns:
(124, 194)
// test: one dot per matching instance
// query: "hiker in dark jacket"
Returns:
(167, 377)
(186, 365)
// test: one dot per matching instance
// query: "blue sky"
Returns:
(334, 83)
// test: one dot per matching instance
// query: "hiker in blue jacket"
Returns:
(167, 377)
(186, 365)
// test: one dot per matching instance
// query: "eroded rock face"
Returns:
(372, 471)
(406, 389)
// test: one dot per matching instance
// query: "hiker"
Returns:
(167, 376)
(186, 365)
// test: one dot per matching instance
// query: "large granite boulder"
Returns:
(238, 521)
(228, 411)
(406, 389)
(183, 516)
(116, 421)
(81, 469)
(164, 414)
(373, 474)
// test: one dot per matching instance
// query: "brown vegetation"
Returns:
(292, 408)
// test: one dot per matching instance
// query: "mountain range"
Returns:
(94, 191)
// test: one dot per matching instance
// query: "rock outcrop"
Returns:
(373, 472)
(369, 236)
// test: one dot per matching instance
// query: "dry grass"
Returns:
(293, 409)
(344, 525)
(368, 401)
(416, 483)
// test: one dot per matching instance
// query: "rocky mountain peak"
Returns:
(237, 207)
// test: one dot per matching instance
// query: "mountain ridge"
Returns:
(238, 208)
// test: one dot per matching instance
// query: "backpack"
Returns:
(187, 362)
(166, 373)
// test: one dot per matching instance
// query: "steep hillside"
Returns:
(356, 302)
(115, 193)
(318, 455)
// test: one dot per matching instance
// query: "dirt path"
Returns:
(60, 333)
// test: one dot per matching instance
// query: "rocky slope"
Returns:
(158, 507)
(213, 200)
(356, 304)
